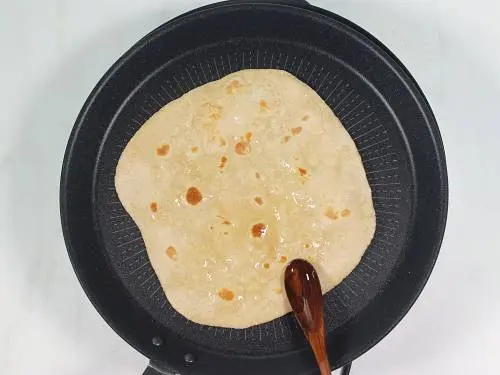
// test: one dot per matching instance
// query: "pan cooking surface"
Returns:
(366, 117)
(383, 110)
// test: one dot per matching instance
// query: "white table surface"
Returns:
(52, 52)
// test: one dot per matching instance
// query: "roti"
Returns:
(233, 180)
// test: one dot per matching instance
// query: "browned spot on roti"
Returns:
(222, 142)
(345, 213)
(163, 150)
(302, 171)
(286, 138)
(214, 113)
(305, 117)
(297, 130)
(242, 148)
(266, 266)
(259, 201)
(257, 175)
(193, 196)
(171, 252)
(194, 149)
(223, 162)
(226, 294)
(283, 259)
(259, 230)
(248, 136)
(215, 116)
(330, 213)
(224, 220)
(263, 104)
(233, 86)
(153, 206)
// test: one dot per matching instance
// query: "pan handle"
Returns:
(292, 2)
(155, 368)
(152, 371)
(346, 369)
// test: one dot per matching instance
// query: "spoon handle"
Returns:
(317, 341)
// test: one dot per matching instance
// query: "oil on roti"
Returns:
(233, 180)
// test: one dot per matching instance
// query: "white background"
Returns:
(52, 52)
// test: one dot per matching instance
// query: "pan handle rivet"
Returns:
(157, 341)
(189, 358)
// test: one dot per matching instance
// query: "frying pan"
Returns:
(380, 105)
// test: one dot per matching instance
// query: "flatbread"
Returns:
(233, 180)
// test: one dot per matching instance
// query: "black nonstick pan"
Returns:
(380, 105)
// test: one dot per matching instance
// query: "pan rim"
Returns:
(392, 62)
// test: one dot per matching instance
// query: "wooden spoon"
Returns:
(304, 293)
